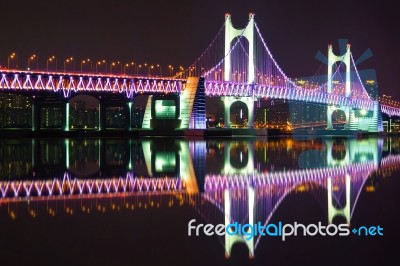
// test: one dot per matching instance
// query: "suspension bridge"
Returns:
(236, 66)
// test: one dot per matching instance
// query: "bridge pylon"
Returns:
(335, 211)
(332, 59)
(230, 34)
(356, 119)
(230, 240)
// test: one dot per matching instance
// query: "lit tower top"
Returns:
(230, 34)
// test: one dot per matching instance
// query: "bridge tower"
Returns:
(230, 240)
(230, 34)
(366, 152)
(366, 120)
(332, 59)
(335, 211)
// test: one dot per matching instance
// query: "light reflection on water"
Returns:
(221, 181)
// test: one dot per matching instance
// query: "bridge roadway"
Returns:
(88, 83)
(70, 83)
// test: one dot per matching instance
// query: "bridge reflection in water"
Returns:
(225, 181)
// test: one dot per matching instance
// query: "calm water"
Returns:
(128, 202)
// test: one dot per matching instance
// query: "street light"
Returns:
(51, 59)
(171, 69)
(115, 64)
(182, 71)
(99, 63)
(150, 68)
(68, 60)
(33, 57)
(137, 70)
(128, 65)
(160, 69)
(87, 61)
(12, 56)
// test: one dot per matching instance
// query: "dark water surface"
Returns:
(129, 202)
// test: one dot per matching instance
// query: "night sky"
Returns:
(176, 31)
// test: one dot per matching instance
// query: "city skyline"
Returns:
(167, 33)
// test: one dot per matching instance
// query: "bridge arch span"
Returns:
(228, 101)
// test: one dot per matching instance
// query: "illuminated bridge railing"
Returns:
(390, 160)
(390, 110)
(68, 83)
(294, 94)
(286, 178)
(74, 186)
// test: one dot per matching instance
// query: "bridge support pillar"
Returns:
(131, 156)
(35, 116)
(102, 116)
(186, 169)
(65, 116)
(147, 113)
(227, 111)
(129, 116)
(193, 104)
(66, 146)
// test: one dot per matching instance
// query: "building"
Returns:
(116, 117)
(307, 113)
(15, 111)
(51, 117)
(271, 113)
